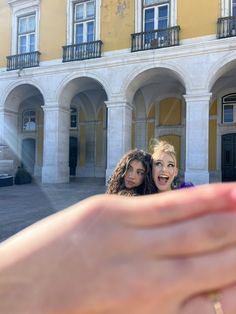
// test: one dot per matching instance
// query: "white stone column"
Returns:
(56, 144)
(8, 140)
(8, 130)
(141, 134)
(2, 127)
(197, 137)
(118, 132)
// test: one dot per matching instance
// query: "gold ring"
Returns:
(214, 298)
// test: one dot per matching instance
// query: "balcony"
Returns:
(23, 60)
(226, 27)
(155, 39)
(82, 51)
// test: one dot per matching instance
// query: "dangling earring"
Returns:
(174, 184)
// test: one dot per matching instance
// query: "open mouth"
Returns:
(163, 179)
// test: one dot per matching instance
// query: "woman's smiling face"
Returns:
(164, 170)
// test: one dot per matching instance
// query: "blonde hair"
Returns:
(159, 147)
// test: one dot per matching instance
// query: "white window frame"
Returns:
(74, 114)
(225, 103)
(26, 35)
(226, 7)
(156, 11)
(232, 7)
(234, 112)
(22, 123)
(22, 8)
(139, 14)
(84, 22)
(70, 21)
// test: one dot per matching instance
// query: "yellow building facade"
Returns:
(84, 81)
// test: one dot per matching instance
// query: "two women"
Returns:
(140, 173)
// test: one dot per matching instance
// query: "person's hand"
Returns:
(126, 255)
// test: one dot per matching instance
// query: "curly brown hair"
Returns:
(116, 181)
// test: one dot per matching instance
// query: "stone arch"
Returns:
(147, 87)
(87, 94)
(17, 98)
(220, 82)
(138, 76)
(15, 93)
(68, 88)
(219, 68)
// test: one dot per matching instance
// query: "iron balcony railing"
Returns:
(155, 39)
(23, 60)
(226, 27)
(82, 51)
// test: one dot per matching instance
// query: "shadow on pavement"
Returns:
(22, 205)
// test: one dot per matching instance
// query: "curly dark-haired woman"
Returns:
(132, 175)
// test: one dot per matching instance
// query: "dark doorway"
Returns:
(28, 154)
(229, 157)
(73, 150)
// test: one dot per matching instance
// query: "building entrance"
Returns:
(73, 150)
(28, 154)
(228, 164)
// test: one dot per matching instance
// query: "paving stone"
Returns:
(22, 205)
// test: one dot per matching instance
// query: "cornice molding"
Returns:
(23, 3)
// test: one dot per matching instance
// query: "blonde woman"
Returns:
(164, 165)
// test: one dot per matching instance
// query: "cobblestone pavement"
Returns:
(22, 205)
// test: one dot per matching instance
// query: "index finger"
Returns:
(173, 206)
